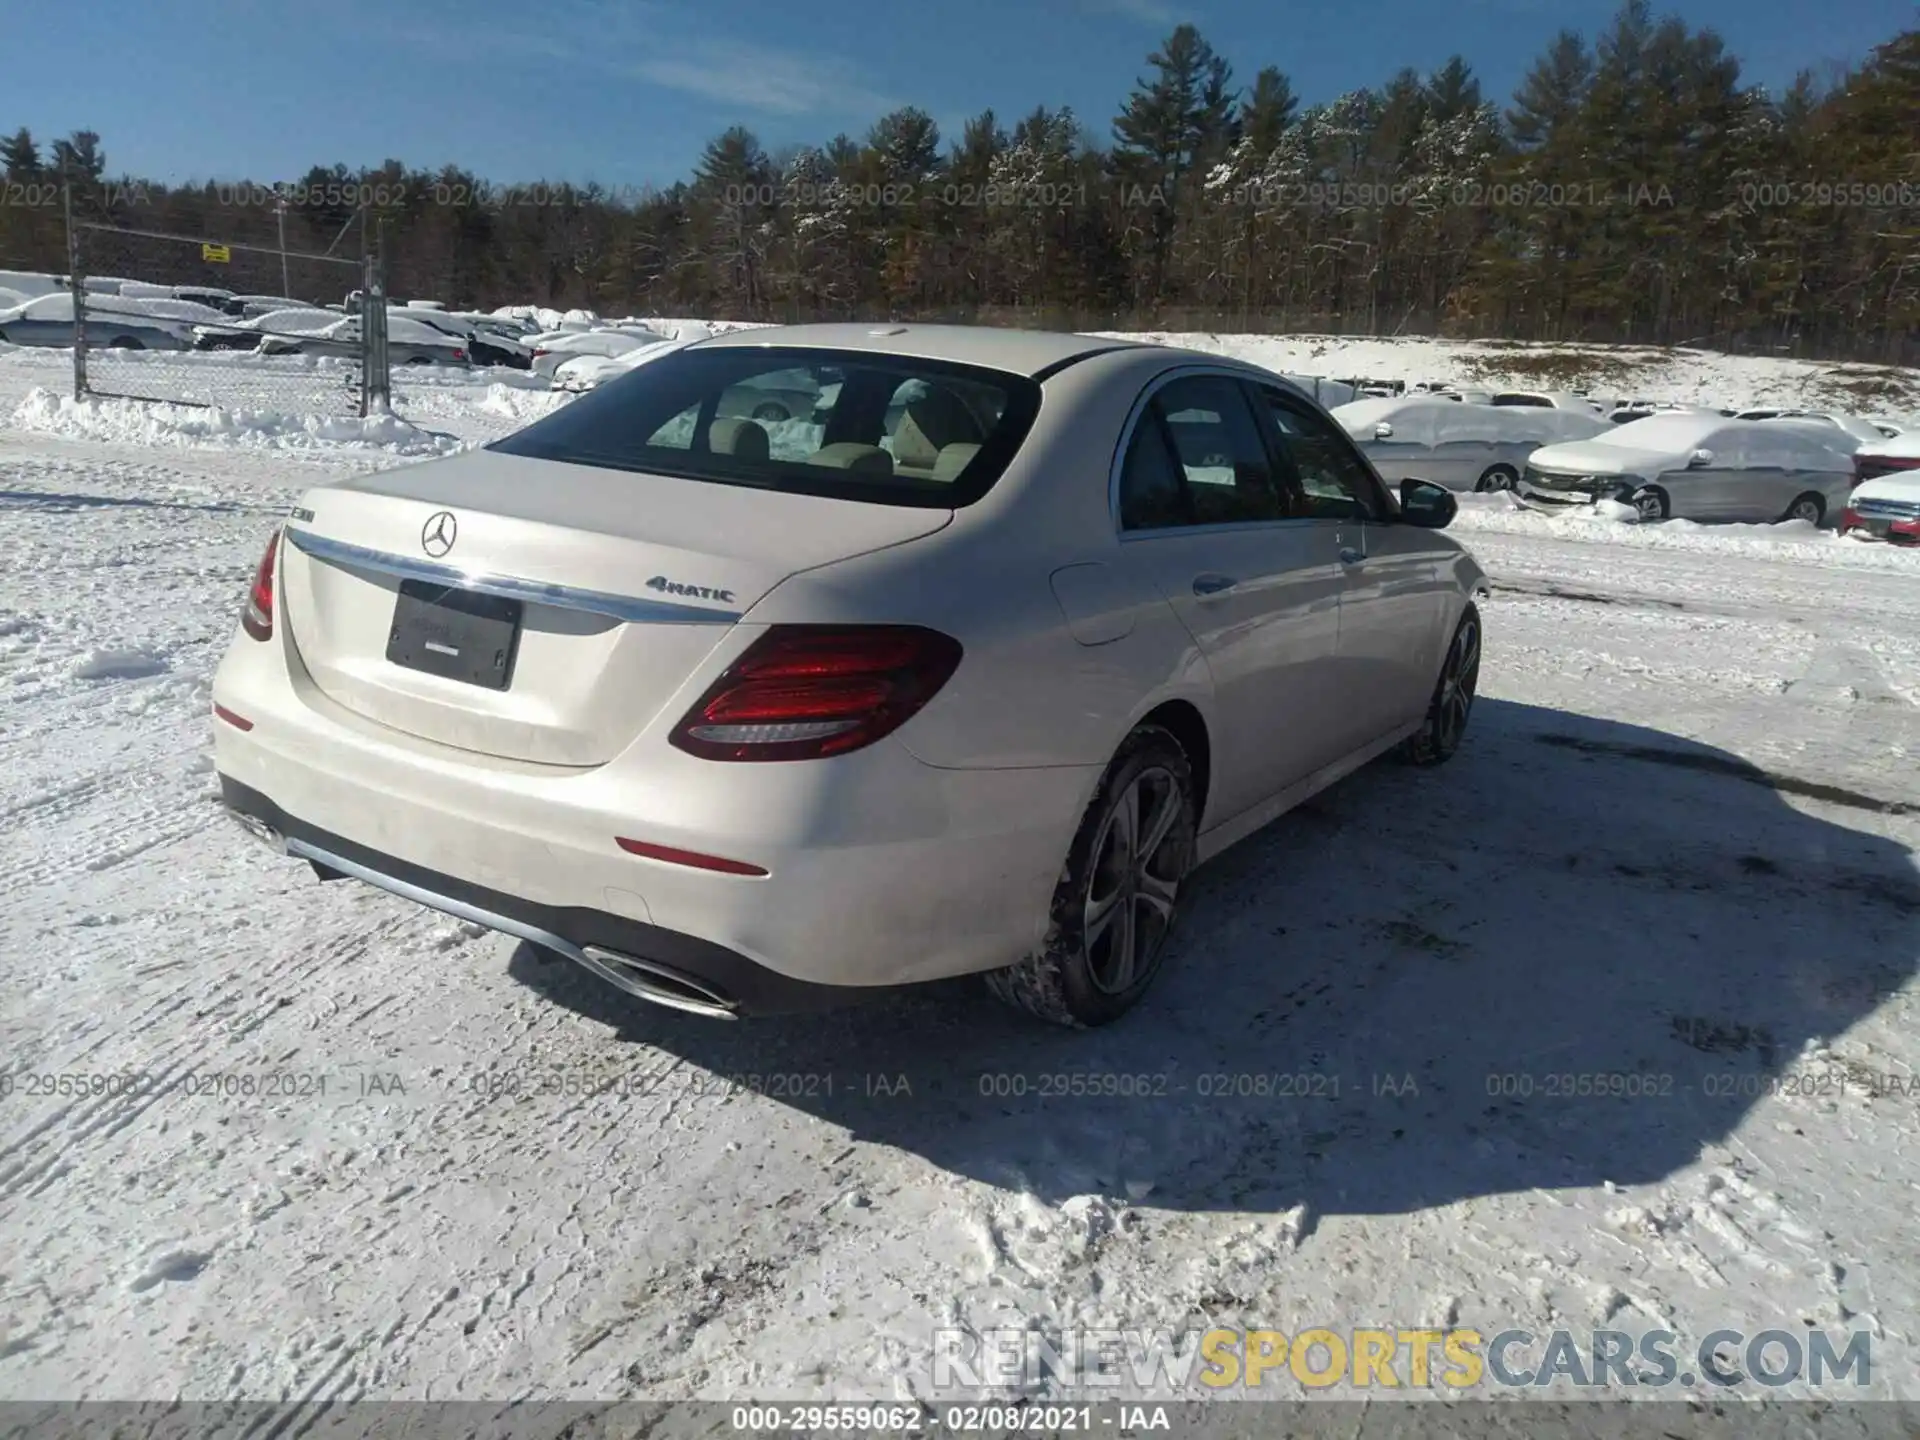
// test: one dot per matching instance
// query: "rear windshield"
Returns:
(846, 424)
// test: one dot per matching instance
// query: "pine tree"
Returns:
(1269, 110)
(734, 180)
(1171, 124)
(19, 155)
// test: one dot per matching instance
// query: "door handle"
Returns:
(1212, 584)
(1350, 556)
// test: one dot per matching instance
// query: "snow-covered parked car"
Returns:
(410, 341)
(1885, 502)
(266, 331)
(788, 662)
(1862, 430)
(113, 322)
(589, 372)
(483, 344)
(1463, 447)
(1700, 467)
(1546, 400)
(553, 349)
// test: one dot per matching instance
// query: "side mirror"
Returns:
(1430, 506)
(1699, 459)
(1383, 431)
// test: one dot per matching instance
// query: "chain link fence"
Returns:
(197, 320)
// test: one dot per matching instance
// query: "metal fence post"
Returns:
(77, 286)
(377, 293)
(367, 382)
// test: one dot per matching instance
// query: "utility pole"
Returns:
(280, 212)
(77, 288)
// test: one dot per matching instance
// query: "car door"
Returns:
(1257, 586)
(1464, 445)
(1393, 600)
(1408, 447)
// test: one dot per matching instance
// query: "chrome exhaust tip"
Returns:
(259, 830)
(655, 982)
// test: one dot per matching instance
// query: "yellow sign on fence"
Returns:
(216, 254)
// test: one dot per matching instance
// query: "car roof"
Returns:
(1020, 352)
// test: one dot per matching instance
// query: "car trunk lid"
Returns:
(541, 611)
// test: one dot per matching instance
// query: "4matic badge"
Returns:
(674, 587)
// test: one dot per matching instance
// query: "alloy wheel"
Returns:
(1457, 684)
(1136, 869)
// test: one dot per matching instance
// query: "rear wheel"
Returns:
(1446, 723)
(1498, 477)
(1115, 904)
(124, 342)
(1808, 507)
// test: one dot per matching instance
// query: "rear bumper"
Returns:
(882, 870)
(659, 965)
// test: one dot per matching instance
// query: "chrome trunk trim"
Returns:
(508, 587)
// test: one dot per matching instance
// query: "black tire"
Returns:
(1807, 507)
(1439, 736)
(1650, 503)
(1080, 983)
(124, 342)
(771, 414)
(1497, 477)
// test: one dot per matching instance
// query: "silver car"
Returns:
(111, 323)
(1701, 467)
(1460, 446)
(963, 678)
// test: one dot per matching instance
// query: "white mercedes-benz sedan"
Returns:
(962, 672)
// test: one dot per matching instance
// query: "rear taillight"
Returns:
(257, 620)
(801, 692)
(459, 354)
(1872, 467)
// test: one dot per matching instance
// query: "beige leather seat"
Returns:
(932, 423)
(742, 439)
(851, 455)
(953, 459)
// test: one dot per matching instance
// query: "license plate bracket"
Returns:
(456, 634)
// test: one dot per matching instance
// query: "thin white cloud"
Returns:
(762, 77)
(1147, 12)
(637, 43)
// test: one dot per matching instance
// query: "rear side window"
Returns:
(1196, 458)
(887, 429)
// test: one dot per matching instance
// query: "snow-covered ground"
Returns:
(367, 1152)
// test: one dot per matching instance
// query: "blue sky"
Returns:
(627, 93)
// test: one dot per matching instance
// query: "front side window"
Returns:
(1333, 482)
(888, 429)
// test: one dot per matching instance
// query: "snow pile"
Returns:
(517, 403)
(139, 423)
(124, 664)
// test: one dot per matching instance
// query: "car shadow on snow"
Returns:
(1578, 953)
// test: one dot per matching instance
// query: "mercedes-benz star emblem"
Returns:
(438, 534)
